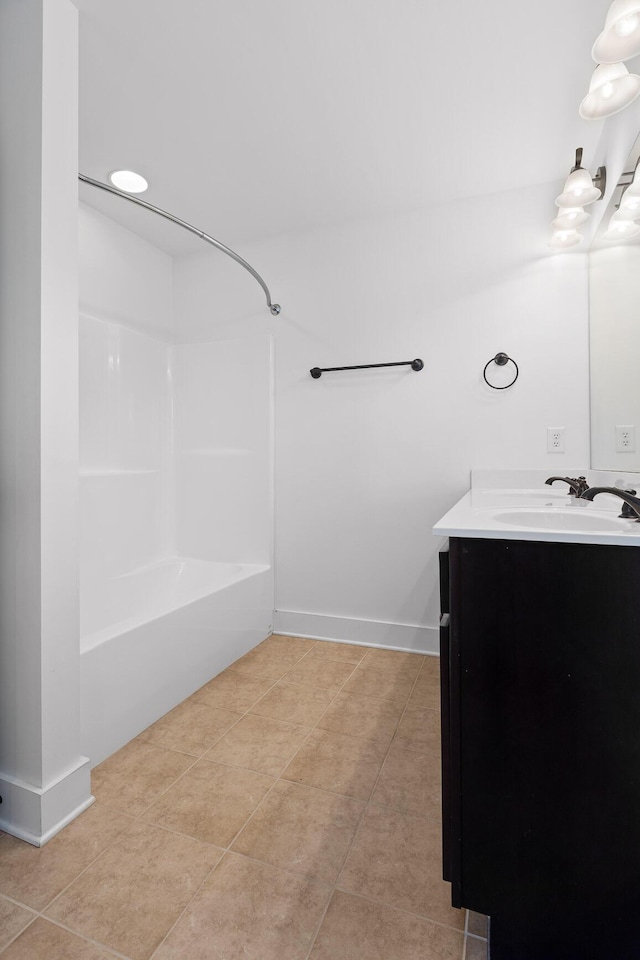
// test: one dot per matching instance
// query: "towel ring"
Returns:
(501, 359)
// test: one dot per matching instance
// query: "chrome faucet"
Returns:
(578, 486)
(631, 504)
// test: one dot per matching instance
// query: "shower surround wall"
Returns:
(175, 490)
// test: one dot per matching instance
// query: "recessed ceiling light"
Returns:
(129, 181)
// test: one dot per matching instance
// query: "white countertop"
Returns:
(538, 513)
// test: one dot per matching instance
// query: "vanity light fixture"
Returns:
(612, 88)
(620, 229)
(620, 39)
(569, 218)
(563, 239)
(629, 207)
(579, 190)
(580, 187)
(128, 181)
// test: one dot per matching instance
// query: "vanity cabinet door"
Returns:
(542, 698)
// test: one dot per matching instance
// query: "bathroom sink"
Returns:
(572, 518)
(537, 514)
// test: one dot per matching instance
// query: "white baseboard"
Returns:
(36, 814)
(368, 633)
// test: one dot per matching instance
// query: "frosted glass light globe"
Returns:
(621, 229)
(564, 239)
(629, 207)
(626, 25)
(569, 218)
(620, 39)
(578, 190)
(612, 88)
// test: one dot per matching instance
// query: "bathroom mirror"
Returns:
(614, 336)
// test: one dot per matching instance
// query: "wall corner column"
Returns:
(44, 780)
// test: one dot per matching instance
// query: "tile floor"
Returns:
(288, 810)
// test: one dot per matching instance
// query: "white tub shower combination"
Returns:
(176, 493)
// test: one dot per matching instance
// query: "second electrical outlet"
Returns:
(555, 439)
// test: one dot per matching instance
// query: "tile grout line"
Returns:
(75, 933)
(18, 903)
(22, 906)
(83, 936)
(19, 933)
(405, 912)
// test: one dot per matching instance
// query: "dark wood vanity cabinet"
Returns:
(540, 646)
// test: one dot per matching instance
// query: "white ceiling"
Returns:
(258, 117)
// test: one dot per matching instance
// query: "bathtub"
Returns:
(153, 636)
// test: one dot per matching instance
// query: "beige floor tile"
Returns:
(357, 929)
(45, 941)
(257, 743)
(248, 911)
(294, 703)
(13, 919)
(426, 692)
(410, 782)
(476, 949)
(232, 691)
(408, 663)
(192, 727)
(397, 859)
(404, 671)
(331, 761)
(376, 682)
(347, 652)
(431, 665)
(419, 730)
(132, 895)
(280, 646)
(211, 802)
(320, 672)
(131, 779)
(36, 875)
(478, 924)
(301, 829)
(362, 717)
(265, 664)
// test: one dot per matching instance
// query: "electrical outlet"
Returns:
(626, 439)
(555, 439)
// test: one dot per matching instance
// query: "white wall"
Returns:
(44, 780)
(366, 462)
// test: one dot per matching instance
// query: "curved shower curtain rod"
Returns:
(273, 307)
